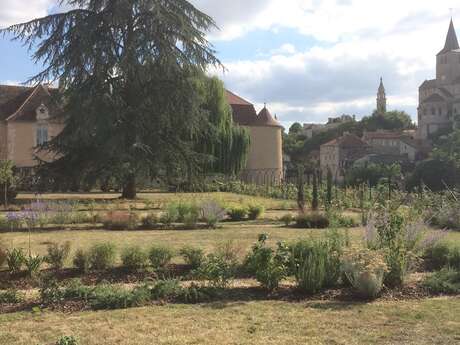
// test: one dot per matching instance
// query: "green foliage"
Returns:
(67, 340)
(212, 213)
(312, 220)
(168, 289)
(102, 256)
(33, 264)
(315, 201)
(15, 260)
(237, 213)
(81, 261)
(50, 292)
(447, 280)
(75, 289)
(7, 179)
(160, 256)
(57, 254)
(365, 270)
(371, 174)
(194, 257)
(316, 263)
(134, 258)
(329, 188)
(107, 296)
(287, 219)
(437, 256)
(268, 266)
(11, 297)
(435, 174)
(255, 211)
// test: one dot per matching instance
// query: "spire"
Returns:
(381, 98)
(451, 39)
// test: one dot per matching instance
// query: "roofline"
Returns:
(14, 115)
(234, 94)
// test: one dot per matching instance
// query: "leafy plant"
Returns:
(313, 220)
(11, 296)
(160, 256)
(167, 289)
(237, 213)
(193, 257)
(33, 264)
(365, 270)
(50, 292)
(212, 213)
(447, 280)
(255, 211)
(81, 261)
(107, 296)
(102, 256)
(57, 255)
(15, 259)
(134, 258)
(67, 340)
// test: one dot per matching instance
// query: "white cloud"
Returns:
(18, 11)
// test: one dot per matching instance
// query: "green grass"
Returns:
(429, 321)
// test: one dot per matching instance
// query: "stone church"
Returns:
(439, 99)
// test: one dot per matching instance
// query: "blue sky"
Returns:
(308, 59)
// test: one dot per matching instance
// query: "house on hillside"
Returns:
(26, 121)
(339, 154)
(265, 160)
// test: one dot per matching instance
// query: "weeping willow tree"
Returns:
(128, 95)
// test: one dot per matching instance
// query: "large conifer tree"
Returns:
(129, 74)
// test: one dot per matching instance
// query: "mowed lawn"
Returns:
(418, 322)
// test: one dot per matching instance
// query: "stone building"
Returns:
(381, 99)
(265, 160)
(26, 121)
(312, 129)
(339, 154)
(439, 99)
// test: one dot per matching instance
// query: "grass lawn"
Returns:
(429, 321)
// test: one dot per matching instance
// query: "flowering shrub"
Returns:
(365, 270)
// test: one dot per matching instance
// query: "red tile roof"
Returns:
(346, 141)
(266, 119)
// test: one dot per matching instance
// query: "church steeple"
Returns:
(381, 99)
(451, 39)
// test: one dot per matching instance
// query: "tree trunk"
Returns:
(129, 188)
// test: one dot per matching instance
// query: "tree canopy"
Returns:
(133, 94)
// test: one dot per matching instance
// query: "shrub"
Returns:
(212, 213)
(187, 211)
(107, 296)
(67, 340)
(75, 289)
(437, 256)
(11, 297)
(313, 220)
(454, 258)
(365, 270)
(160, 256)
(57, 255)
(134, 258)
(121, 220)
(102, 256)
(315, 264)
(191, 220)
(255, 211)
(268, 266)
(81, 261)
(447, 280)
(237, 213)
(287, 219)
(168, 289)
(50, 292)
(170, 216)
(193, 257)
(15, 259)
(196, 294)
(33, 264)
(150, 221)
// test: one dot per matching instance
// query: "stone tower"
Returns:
(381, 99)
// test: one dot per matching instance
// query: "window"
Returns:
(42, 135)
(433, 111)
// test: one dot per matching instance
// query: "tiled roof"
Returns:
(346, 141)
(266, 119)
(381, 135)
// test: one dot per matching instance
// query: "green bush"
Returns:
(15, 259)
(287, 219)
(454, 258)
(11, 297)
(81, 261)
(160, 256)
(237, 213)
(315, 264)
(134, 258)
(33, 264)
(107, 296)
(121, 220)
(50, 292)
(102, 256)
(168, 289)
(268, 266)
(437, 256)
(193, 257)
(313, 220)
(170, 216)
(255, 211)
(57, 254)
(447, 280)
(150, 221)
(75, 289)
(67, 340)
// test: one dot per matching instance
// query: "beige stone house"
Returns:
(26, 121)
(339, 154)
(265, 160)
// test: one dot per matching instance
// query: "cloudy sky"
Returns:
(307, 59)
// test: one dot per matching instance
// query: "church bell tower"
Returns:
(381, 99)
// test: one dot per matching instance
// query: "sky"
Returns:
(307, 59)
